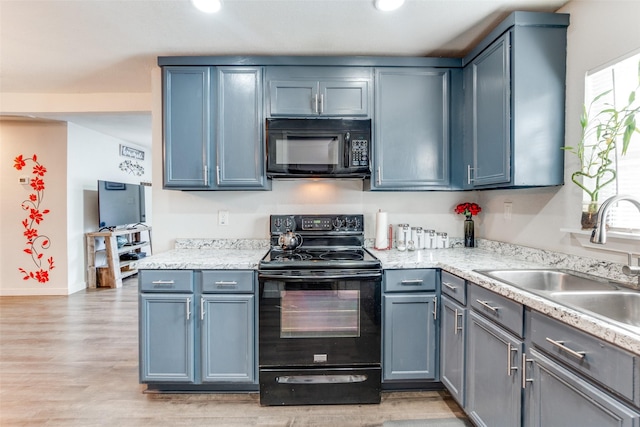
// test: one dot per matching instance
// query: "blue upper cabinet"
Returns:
(514, 97)
(412, 131)
(318, 91)
(240, 149)
(213, 128)
(187, 126)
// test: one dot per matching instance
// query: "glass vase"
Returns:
(589, 215)
(469, 233)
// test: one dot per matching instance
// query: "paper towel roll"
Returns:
(382, 230)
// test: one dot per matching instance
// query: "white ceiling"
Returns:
(102, 46)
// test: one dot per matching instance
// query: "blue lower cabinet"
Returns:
(198, 330)
(227, 338)
(493, 374)
(556, 397)
(409, 326)
(166, 338)
(453, 332)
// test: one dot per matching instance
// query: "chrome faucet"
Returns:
(599, 233)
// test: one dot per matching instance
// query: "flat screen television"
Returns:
(120, 204)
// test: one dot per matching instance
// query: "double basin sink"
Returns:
(585, 293)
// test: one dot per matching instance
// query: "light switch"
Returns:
(507, 210)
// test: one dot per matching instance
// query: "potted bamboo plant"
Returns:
(602, 130)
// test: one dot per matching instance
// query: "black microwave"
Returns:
(318, 148)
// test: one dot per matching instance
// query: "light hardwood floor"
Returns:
(73, 361)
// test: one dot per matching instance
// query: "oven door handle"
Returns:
(368, 274)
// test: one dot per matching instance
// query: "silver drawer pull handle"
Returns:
(188, 302)
(450, 286)
(457, 325)
(525, 380)
(412, 282)
(510, 367)
(223, 283)
(560, 344)
(486, 305)
(163, 282)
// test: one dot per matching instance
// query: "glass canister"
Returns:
(429, 239)
(417, 236)
(442, 240)
(403, 236)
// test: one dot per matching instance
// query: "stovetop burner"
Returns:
(329, 241)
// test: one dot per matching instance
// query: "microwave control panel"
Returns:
(359, 152)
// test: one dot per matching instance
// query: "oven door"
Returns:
(317, 319)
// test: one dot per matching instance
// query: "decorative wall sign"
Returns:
(133, 168)
(36, 243)
(131, 152)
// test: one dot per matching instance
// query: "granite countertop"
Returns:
(459, 261)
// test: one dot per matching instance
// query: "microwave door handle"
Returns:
(348, 151)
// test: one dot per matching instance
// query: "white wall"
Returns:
(600, 31)
(48, 142)
(93, 156)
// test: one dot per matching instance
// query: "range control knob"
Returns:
(278, 222)
(288, 223)
(337, 223)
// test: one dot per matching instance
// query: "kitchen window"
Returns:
(621, 78)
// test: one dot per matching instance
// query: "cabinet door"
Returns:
(493, 374)
(344, 98)
(409, 337)
(488, 78)
(294, 97)
(187, 127)
(556, 397)
(166, 338)
(411, 149)
(240, 160)
(452, 347)
(227, 344)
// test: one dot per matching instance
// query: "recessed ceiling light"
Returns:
(207, 6)
(387, 5)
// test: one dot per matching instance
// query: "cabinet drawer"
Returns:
(507, 313)
(455, 287)
(410, 280)
(604, 362)
(223, 281)
(166, 281)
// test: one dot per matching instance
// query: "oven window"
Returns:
(320, 313)
(297, 150)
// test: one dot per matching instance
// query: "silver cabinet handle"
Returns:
(379, 177)
(223, 283)
(510, 367)
(486, 305)
(456, 324)
(206, 175)
(560, 344)
(450, 286)
(321, 103)
(315, 102)
(201, 308)
(217, 175)
(469, 169)
(525, 380)
(163, 282)
(188, 308)
(412, 282)
(435, 308)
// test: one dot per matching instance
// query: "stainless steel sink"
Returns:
(588, 294)
(620, 306)
(549, 280)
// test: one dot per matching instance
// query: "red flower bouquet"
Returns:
(468, 209)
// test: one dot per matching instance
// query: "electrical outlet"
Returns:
(508, 206)
(223, 217)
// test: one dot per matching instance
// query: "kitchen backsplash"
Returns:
(609, 270)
